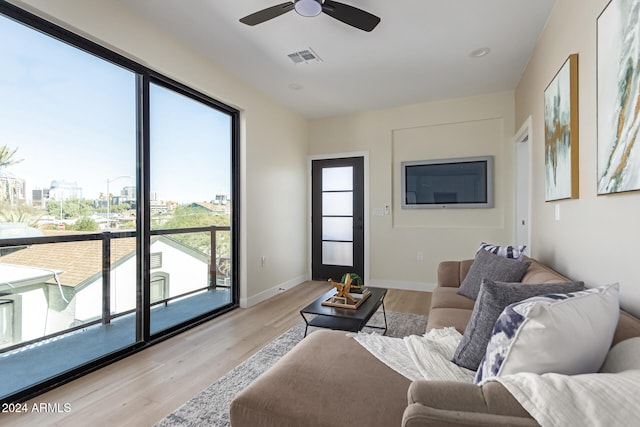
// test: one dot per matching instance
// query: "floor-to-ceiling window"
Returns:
(190, 147)
(118, 209)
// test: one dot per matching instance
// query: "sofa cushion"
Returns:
(452, 273)
(446, 317)
(568, 334)
(493, 298)
(449, 298)
(628, 327)
(540, 273)
(514, 252)
(327, 380)
(493, 267)
(622, 357)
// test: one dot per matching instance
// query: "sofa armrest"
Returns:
(462, 404)
(452, 273)
(417, 415)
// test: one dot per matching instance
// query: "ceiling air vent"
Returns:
(306, 56)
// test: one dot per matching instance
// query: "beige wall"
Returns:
(273, 146)
(596, 238)
(481, 125)
(593, 240)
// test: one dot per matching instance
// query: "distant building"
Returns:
(216, 208)
(221, 199)
(39, 197)
(12, 188)
(64, 190)
(171, 205)
(158, 207)
(128, 195)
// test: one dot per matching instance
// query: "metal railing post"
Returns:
(106, 278)
(214, 255)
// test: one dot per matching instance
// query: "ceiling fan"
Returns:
(350, 15)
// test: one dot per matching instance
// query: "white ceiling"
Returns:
(419, 52)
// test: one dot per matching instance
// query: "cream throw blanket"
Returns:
(426, 357)
(597, 400)
(580, 400)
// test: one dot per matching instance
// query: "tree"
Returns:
(85, 224)
(6, 156)
(71, 208)
(21, 213)
(120, 207)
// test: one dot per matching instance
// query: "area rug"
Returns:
(211, 406)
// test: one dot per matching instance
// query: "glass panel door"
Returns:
(338, 218)
(190, 162)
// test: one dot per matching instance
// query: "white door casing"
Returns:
(522, 173)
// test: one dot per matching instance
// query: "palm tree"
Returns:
(21, 214)
(6, 156)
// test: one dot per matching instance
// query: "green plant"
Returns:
(356, 280)
(85, 224)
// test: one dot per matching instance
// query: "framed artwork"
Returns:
(618, 97)
(561, 133)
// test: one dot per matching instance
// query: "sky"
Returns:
(72, 117)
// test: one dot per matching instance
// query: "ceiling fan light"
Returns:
(308, 7)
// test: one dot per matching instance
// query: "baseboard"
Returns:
(407, 286)
(269, 293)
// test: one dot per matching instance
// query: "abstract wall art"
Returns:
(561, 133)
(619, 97)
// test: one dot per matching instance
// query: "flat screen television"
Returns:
(465, 182)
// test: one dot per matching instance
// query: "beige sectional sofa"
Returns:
(329, 379)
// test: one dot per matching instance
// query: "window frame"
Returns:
(144, 78)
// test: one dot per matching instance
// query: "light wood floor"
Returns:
(142, 389)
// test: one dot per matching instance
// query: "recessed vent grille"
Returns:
(156, 260)
(306, 56)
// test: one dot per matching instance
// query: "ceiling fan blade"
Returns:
(350, 15)
(266, 14)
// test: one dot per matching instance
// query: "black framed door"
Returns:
(337, 218)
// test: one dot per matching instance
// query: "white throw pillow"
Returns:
(623, 356)
(562, 333)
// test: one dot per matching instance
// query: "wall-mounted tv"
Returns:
(465, 182)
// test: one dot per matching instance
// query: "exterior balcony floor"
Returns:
(41, 361)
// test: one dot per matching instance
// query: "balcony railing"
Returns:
(107, 237)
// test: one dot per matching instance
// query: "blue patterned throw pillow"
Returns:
(514, 252)
(562, 333)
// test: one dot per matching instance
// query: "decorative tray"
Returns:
(343, 302)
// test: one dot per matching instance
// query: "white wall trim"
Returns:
(365, 156)
(525, 133)
(269, 293)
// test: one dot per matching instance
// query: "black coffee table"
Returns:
(344, 319)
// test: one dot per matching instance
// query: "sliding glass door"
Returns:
(118, 213)
(190, 148)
